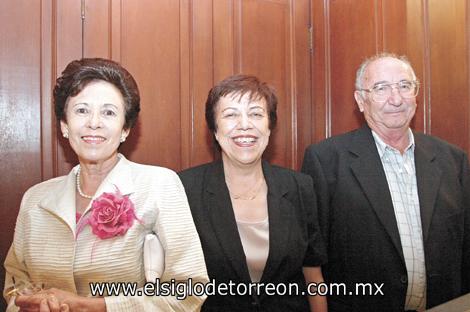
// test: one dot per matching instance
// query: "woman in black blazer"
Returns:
(257, 223)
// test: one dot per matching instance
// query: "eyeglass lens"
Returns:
(407, 89)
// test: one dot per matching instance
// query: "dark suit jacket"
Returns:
(294, 236)
(358, 221)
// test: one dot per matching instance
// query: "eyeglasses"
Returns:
(382, 91)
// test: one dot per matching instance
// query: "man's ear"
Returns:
(359, 100)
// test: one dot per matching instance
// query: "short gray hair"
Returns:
(362, 68)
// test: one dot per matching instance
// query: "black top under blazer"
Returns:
(357, 217)
(294, 236)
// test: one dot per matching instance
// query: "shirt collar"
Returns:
(382, 147)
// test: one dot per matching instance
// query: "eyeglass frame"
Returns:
(414, 82)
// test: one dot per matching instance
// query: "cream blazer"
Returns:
(47, 249)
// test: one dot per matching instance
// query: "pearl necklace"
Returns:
(77, 180)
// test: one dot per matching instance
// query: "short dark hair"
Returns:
(79, 73)
(239, 85)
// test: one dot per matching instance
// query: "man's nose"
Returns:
(395, 97)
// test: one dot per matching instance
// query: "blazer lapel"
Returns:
(60, 201)
(279, 222)
(223, 221)
(428, 178)
(368, 170)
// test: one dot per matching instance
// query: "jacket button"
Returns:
(404, 279)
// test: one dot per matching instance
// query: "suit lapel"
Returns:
(368, 170)
(223, 219)
(428, 178)
(279, 222)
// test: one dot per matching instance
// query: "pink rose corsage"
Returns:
(112, 214)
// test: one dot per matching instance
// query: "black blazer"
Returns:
(294, 236)
(358, 221)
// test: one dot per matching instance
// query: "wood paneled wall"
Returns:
(434, 36)
(177, 49)
(20, 111)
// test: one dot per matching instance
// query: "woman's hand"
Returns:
(49, 300)
(40, 302)
(51, 305)
(57, 300)
(317, 302)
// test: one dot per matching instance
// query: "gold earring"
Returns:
(65, 135)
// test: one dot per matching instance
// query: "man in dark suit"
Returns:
(394, 205)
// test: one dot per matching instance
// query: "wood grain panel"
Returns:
(48, 74)
(201, 79)
(97, 31)
(185, 82)
(394, 26)
(224, 39)
(320, 69)
(301, 123)
(449, 74)
(115, 31)
(20, 111)
(352, 38)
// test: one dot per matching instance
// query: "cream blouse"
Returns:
(255, 242)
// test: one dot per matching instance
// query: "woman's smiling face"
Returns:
(242, 128)
(95, 122)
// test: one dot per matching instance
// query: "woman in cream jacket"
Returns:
(89, 227)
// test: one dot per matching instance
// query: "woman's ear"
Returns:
(124, 135)
(65, 129)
